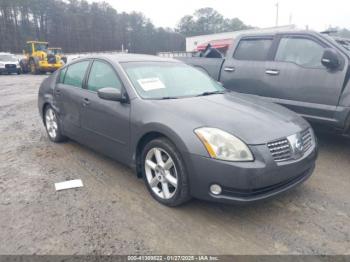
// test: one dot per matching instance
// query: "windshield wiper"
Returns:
(167, 97)
(211, 93)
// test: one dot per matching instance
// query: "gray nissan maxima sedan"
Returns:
(178, 129)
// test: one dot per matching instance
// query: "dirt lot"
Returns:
(114, 214)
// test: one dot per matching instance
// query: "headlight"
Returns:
(223, 146)
(2, 65)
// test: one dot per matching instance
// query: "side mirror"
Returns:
(112, 94)
(330, 59)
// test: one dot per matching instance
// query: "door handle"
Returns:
(86, 101)
(229, 69)
(272, 72)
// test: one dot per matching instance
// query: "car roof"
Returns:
(124, 58)
(271, 33)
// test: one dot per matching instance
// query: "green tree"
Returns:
(208, 21)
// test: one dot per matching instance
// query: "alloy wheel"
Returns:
(161, 173)
(51, 123)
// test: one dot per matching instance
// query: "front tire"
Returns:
(52, 125)
(33, 67)
(164, 173)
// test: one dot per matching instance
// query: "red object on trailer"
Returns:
(218, 44)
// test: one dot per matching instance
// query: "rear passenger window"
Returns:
(102, 75)
(301, 51)
(62, 73)
(75, 74)
(253, 49)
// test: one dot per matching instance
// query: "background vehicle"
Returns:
(305, 71)
(160, 117)
(38, 59)
(9, 64)
(57, 51)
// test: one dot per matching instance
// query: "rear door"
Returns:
(106, 122)
(68, 94)
(298, 80)
(244, 67)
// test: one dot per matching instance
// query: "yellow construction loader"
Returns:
(38, 59)
(58, 52)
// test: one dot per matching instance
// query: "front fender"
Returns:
(158, 128)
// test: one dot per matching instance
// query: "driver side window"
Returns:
(301, 51)
(102, 75)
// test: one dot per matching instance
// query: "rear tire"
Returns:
(24, 67)
(164, 173)
(52, 125)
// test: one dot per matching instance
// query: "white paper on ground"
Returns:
(68, 184)
(149, 84)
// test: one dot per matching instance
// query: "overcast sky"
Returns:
(318, 15)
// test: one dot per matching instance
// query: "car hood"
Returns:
(9, 62)
(247, 117)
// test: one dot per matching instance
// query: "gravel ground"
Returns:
(114, 214)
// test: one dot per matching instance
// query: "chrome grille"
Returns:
(280, 149)
(307, 139)
(10, 66)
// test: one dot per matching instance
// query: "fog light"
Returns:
(215, 189)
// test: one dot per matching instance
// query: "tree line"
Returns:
(78, 26)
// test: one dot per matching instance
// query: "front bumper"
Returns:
(47, 67)
(245, 182)
(11, 70)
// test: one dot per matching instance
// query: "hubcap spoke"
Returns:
(51, 114)
(151, 164)
(158, 156)
(165, 188)
(168, 164)
(172, 180)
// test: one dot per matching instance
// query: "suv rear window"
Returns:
(253, 49)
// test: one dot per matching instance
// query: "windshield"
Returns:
(55, 51)
(10, 58)
(342, 43)
(161, 80)
(40, 47)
